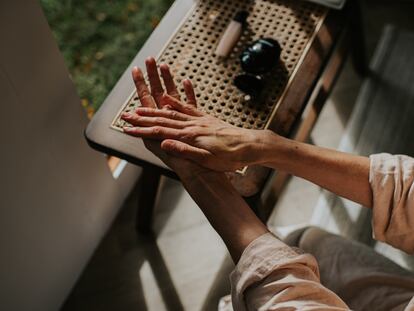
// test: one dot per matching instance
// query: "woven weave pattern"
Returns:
(190, 54)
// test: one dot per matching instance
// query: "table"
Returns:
(301, 99)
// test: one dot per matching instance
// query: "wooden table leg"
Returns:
(147, 189)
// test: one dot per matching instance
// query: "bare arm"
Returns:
(344, 174)
(277, 274)
(225, 209)
(219, 146)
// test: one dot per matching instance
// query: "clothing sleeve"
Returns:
(392, 184)
(270, 277)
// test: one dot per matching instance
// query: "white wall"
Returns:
(57, 196)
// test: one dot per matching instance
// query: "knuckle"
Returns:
(189, 134)
(204, 122)
(181, 148)
(188, 107)
(174, 114)
(157, 130)
(199, 131)
(191, 124)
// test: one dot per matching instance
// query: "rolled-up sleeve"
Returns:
(271, 277)
(392, 184)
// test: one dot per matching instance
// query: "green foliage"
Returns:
(99, 39)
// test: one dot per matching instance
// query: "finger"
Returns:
(189, 93)
(154, 79)
(169, 81)
(154, 132)
(170, 114)
(137, 120)
(155, 147)
(183, 150)
(179, 106)
(143, 92)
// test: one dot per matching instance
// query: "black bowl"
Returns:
(261, 56)
(249, 84)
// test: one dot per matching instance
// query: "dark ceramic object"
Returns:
(249, 84)
(259, 58)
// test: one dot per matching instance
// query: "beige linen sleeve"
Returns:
(392, 183)
(270, 277)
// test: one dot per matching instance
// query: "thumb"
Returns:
(183, 150)
(167, 100)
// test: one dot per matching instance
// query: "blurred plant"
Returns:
(99, 39)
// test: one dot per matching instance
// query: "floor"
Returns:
(186, 265)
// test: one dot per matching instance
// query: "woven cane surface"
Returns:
(190, 54)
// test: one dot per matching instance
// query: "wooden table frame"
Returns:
(310, 88)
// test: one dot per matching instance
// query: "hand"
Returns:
(191, 134)
(154, 100)
(223, 206)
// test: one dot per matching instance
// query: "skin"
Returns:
(187, 133)
(225, 209)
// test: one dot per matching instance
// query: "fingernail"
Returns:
(125, 115)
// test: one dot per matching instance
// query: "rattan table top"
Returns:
(190, 54)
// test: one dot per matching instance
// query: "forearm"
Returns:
(226, 210)
(344, 174)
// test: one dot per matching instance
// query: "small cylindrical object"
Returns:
(232, 34)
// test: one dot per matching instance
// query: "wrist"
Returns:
(276, 151)
(198, 176)
(282, 153)
(264, 147)
(251, 147)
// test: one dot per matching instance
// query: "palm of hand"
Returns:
(184, 131)
(191, 134)
(153, 100)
